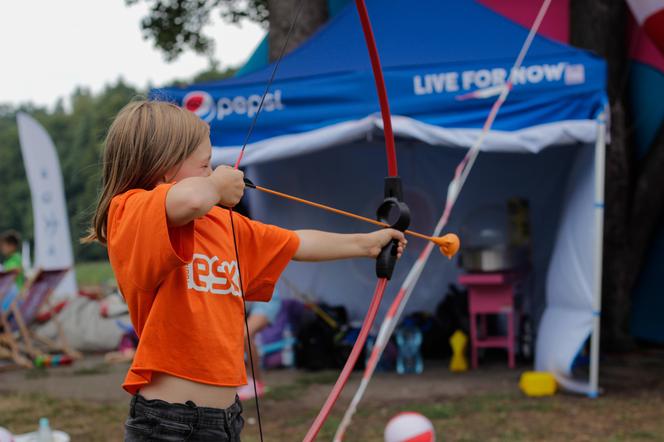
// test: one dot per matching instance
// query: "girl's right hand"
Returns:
(374, 242)
(230, 184)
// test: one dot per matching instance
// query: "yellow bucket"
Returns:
(538, 383)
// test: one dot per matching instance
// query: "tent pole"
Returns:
(600, 151)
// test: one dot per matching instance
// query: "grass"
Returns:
(94, 273)
(82, 420)
(36, 373)
(89, 371)
(504, 415)
(294, 389)
(489, 416)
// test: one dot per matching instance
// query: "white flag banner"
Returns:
(52, 238)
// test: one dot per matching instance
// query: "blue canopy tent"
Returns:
(318, 137)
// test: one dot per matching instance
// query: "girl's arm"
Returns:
(316, 245)
(193, 197)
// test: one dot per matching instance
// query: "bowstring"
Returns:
(235, 241)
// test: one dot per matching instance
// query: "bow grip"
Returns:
(395, 209)
(387, 259)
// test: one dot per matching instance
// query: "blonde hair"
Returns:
(145, 141)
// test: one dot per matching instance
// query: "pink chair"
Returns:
(490, 294)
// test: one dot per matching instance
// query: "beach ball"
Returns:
(5, 435)
(409, 427)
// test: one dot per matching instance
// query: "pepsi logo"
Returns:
(200, 103)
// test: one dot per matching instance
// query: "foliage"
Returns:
(212, 73)
(78, 136)
(78, 130)
(176, 26)
(95, 273)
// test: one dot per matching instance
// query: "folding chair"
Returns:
(9, 348)
(36, 295)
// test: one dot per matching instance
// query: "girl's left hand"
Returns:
(375, 241)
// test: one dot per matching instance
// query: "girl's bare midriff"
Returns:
(177, 390)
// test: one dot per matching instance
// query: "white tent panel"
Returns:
(332, 167)
(530, 140)
(567, 322)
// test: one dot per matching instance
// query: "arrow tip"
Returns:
(448, 244)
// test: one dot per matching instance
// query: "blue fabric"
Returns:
(260, 57)
(334, 7)
(647, 107)
(432, 51)
(9, 298)
(648, 111)
(648, 299)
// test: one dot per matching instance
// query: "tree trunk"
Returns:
(632, 194)
(282, 12)
(600, 26)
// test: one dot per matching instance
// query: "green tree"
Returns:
(175, 26)
(78, 137)
(78, 129)
(212, 73)
(16, 208)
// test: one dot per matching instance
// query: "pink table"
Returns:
(490, 293)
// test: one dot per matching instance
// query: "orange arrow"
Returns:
(448, 244)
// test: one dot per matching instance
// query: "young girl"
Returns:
(172, 251)
(10, 242)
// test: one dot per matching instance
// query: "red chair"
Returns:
(490, 294)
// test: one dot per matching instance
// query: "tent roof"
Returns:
(434, 32)
(432, 51)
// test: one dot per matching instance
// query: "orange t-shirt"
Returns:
(182, 287)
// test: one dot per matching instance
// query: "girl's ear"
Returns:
(169, 175)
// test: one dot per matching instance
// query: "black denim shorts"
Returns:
(157, 420)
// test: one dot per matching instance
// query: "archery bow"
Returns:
(461, 173)
(393, 202)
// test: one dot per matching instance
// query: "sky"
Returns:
(48, 47)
